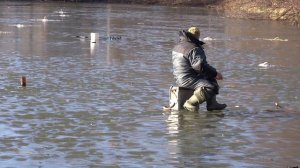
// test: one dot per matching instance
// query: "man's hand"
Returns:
(219, 76)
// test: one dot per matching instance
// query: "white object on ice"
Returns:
(94, 37)
(272, 39)
(19, 25)
(44, 19)
(265, 65)
(61, 12)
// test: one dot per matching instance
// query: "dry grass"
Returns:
(285, 10)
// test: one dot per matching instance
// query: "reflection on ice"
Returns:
(6, 131)
(4, 32)
(208, 39)
(45, 19)
(173, 122)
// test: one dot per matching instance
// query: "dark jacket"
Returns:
(190, 67)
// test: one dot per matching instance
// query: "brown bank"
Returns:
(281, 10)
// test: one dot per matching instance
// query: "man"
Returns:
(191, 70)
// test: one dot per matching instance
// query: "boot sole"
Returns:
(211, 109)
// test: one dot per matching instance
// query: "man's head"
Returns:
(195, 32)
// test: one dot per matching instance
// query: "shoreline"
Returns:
(278, 10)
(286, 11)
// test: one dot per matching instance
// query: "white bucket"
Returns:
(94, 37)
(178, 96)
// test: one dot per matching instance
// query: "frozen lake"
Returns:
(100, 104)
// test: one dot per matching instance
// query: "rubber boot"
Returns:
(192, 104)
(212, 104)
